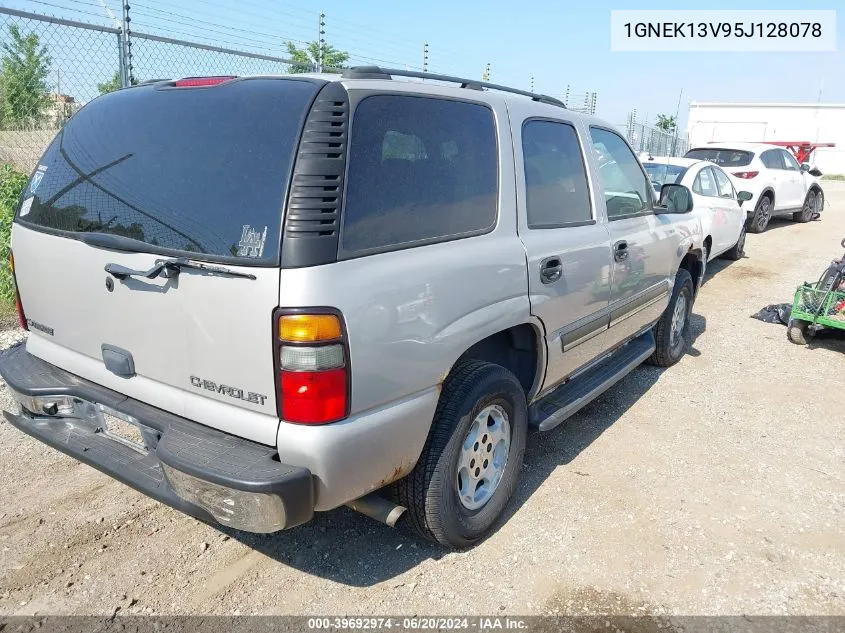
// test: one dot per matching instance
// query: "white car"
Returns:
(715, 201)
(778, 184)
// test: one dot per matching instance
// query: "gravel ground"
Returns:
(713, 487)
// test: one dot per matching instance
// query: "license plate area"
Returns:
(121, 428)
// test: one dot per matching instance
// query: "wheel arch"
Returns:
(519, 348)
(769, 191)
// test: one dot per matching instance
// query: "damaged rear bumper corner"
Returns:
(208, 474)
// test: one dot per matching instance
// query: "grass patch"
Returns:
(833, 177)
(12, 183)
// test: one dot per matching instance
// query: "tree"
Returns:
(666, 123)
(305, 59)
(23, 73)
(113, 84)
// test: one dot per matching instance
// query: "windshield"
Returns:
(661, 174)
(196, 171)
(722, 157)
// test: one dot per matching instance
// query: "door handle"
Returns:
(620, 251)
(551, 269)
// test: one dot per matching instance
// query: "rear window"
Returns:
(199, 171)
(663, 174)
(421, 169)
(722, 157)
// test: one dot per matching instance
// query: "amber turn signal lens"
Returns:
(309, 328)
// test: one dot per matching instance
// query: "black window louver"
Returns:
(312, 221)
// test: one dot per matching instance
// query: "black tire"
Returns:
(796, 332)
(666, 353)
(808, 210)
(430, 493)
(737, 251)
(758, 222)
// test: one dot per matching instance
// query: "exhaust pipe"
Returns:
(378, 508)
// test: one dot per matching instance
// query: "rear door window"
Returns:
(195, 171)
(772, 159)
(555, 176)
(705, 184)
(421, 170)
(726, 189)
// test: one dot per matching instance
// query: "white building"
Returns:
(794, 122)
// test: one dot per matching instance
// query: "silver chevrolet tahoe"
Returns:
(254, 298)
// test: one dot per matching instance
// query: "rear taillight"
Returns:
(745, 174)
(313, 367)
(200, 82)
(18, 304)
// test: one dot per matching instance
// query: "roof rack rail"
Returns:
(376, 72)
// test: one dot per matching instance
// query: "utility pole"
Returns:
(532, 83)
(321, 42)
(486, 75)
(128, 79)
(425, 57)
(677, 114)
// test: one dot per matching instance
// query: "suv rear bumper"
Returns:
(203, 472)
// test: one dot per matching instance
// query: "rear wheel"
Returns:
(469, 466)
(797, 331)
(671, 330)
(737, 251)
(808, 210)
(762, 214)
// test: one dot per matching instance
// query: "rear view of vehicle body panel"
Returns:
(146, 175)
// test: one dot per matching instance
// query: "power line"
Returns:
(274, 38)
(71, 9)
(191, 22)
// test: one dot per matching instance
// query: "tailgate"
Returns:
(165, 172)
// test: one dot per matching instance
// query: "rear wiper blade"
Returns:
(170, 268)
(113, 242)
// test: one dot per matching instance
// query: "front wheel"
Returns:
(671, 330)
(808, 210)
(468, 469)
(762, 214)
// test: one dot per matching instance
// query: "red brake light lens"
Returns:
(313, 397)
(747, 175)
(200, 82)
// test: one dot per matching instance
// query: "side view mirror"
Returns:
(815, 172)
(805, 167)
(744, 196)
(675, 199)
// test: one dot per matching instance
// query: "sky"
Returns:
(558, 43)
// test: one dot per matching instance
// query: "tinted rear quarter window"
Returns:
(722, 157)
(421, 169)
(201, 171)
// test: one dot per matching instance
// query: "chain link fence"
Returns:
(155, 57)
(655, 141)
(50, 68)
